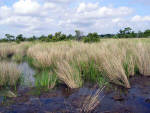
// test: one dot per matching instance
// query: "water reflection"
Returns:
(28, 74)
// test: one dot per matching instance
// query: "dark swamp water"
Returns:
(63, 100)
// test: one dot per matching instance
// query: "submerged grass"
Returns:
(91, 102)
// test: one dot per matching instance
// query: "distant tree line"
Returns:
(79, 36)
(129, 33)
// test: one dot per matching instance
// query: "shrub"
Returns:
(92, 37)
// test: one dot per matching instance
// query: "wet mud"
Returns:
(112, 99)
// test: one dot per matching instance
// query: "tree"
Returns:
(121, 33)
(147, 33)
(126, 33)
(50, 36)
(78, 35)
(133, 34)
(63, 37)
(43, 38)
(59, 37)
(127, 30)
(20, 38)
(33, 38)
(92, 37)
(140, 34)
(9, 37)
(70, 36)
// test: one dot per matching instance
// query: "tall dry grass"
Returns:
(14, 50)
(62, 54)
(69, 74)
(20, 50)
(116, 59)
(142, 53)
(6, 49)
(9, 74)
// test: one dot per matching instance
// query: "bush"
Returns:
(91, 37)
(88, 39)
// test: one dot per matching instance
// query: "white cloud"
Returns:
(5, 12)
(58, 1)
(26, 7)
(95, 11)
(115, 20)
(49, 5)
(87, 7)
(138, 18)
(49, 16)
(90, 14)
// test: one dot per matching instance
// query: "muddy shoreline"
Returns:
(63, 100)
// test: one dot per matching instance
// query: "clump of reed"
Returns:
(45, 79)
(9, 74)
(69, 74)
(111, 64)
(142, 52)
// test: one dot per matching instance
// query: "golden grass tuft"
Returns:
(69, 74)
(142, 52)
(9, 74)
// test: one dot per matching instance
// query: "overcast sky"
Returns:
(48, 16)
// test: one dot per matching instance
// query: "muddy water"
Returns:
(134, 100)
(27, 74)
(62, 100)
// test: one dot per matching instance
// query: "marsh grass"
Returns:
(89, 71)
(6, 49)
(45, 79)
(77, 62)
(9, 74)
(143, 55)
(69, 74)
(14, 51)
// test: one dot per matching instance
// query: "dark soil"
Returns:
(63, 100)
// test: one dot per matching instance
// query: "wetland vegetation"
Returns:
(35, 70)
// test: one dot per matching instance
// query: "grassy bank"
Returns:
(74, 63)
